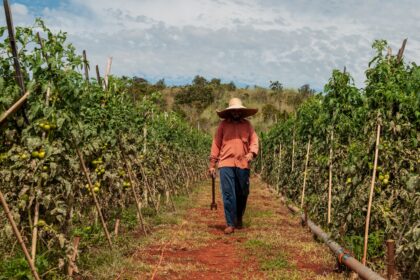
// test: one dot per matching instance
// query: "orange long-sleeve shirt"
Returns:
(233, 140)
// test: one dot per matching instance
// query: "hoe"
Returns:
(213, 205)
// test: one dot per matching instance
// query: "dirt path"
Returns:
(272, 244)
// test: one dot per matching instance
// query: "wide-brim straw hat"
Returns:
(235, 104)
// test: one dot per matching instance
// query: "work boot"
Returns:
(229, 230)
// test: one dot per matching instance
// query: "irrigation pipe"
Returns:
(342, 255)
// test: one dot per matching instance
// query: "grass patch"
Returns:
(165, 218)
(253, 244)
(99, 262)
(261, 213)
(104, 263)
(277, 263)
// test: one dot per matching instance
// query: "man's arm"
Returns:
(253, 143)
(216, 145)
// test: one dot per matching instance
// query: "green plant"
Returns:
(40, 170)
(391, 99)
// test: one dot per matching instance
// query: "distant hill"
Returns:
(198, 101)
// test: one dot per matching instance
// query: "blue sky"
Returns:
(247, 41)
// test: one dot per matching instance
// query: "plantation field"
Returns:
(106, 176)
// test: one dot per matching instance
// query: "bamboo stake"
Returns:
(14, 107)
(116, 227)
(95, 199)
(98, 76)
(279, 173)
(36, 214)
(167, 186)
(107, 72)
(401, 51)
(136, 198)
(372, 185)
(144, 139)
(183, 179)
(35, 228)
(146, 183)
(330, 177)
(305, 173)
(13, 46)
(86, 66)
(18, 236)
(274, 168)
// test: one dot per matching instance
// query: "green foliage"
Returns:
(391, 98)
(376, 245)
(199, 94)
(276, 263)
(17, 268)
(111, 127)
(276, 86)
(306, 90)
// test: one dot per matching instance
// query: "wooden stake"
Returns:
(401, 51)
(18, 236)
(116, 227)
(98, 76)
(35, 231)
(293, 151)
(390, 246)
(136, 198)
(14, 107)
(148, 187)
(13, 46)
(279, 168)
(372, 186)
(36, 214)
(144, 139)
(330, 177)
(35, 228)
(167, 186)
(86, 66)
(72, 267)
(305, 173)
(95, 199)
(107, 72)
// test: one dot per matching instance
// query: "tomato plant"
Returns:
(40, 170)
(391, 97)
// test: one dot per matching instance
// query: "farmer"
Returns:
(234, 146)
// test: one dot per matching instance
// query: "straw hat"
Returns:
(235, 104)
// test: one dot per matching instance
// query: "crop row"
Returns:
(81, 149)
(335, 133)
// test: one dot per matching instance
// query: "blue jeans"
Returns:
(234, 183)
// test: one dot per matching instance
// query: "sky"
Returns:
(250, 42)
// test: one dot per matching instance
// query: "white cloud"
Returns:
(251, 41)
(19, 9)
